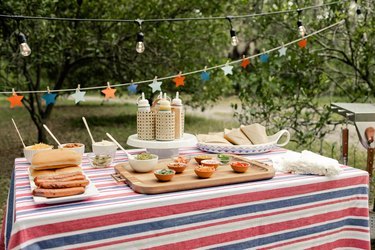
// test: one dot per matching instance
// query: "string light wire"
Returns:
(187, 73)
(179, 19)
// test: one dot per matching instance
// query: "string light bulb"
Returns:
(24, 47)
(140, 46)
(301, 28)
(233, 37)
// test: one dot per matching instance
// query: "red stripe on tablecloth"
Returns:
(123, 217)
(349, 242)
(264, 229)
(351, 229)
(207, 225)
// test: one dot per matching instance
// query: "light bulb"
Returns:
(302, 30)
(24, 47)
(234, 39)
(140, 46)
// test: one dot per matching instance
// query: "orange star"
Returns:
(109, 93)
(15, 100)
(245, 63)
(302, 44)
(179, 80)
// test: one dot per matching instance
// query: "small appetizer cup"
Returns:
(164, 174)
(204, 172)
(100, 161)
(223, 158)
(210, 163)
(200, 158)
(239, 166)
(177, 167)
(182, 159)
(144, 166)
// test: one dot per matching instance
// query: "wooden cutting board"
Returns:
(147, 183)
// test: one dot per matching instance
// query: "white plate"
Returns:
(90, 191)
(246, 149)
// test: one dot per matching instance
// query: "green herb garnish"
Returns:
(145, 156)
(165, 171)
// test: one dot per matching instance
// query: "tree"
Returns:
(338, 63)
(91, 53)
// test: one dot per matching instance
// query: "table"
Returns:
(286, 212)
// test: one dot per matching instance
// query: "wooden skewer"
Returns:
(119, 145)
(18, 132)
(88, 130)
(49, 131)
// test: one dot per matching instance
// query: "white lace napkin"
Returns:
(308, 163)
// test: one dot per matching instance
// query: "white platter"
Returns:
(90, 191)
(273, 142)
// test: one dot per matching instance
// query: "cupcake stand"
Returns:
(164, 149)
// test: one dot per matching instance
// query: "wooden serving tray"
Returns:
(146, 183)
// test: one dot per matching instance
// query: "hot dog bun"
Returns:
(52, 172)
(55, 158)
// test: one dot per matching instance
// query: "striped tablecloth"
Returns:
(286, 212)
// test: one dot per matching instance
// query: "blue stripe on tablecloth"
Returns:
(198, 218)
(10, 211)
(294, 234)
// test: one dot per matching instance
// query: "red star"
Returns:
(179, 80)
(245, 63)
(302, 44)
(15, 100)
(109, 93)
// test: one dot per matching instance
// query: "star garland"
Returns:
(179, 80)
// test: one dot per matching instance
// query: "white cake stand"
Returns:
(164, 149)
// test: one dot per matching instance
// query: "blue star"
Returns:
(264, 58)
(205, 76)
(49, 98)
(132, 88)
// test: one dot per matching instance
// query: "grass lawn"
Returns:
(119, 119)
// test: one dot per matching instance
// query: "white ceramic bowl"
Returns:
(29, 152)
(104, 148)
(77, 147)
(143, 166)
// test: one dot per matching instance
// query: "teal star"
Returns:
(264, 58)
(132, 88)
(205, 76)
(49, 98)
